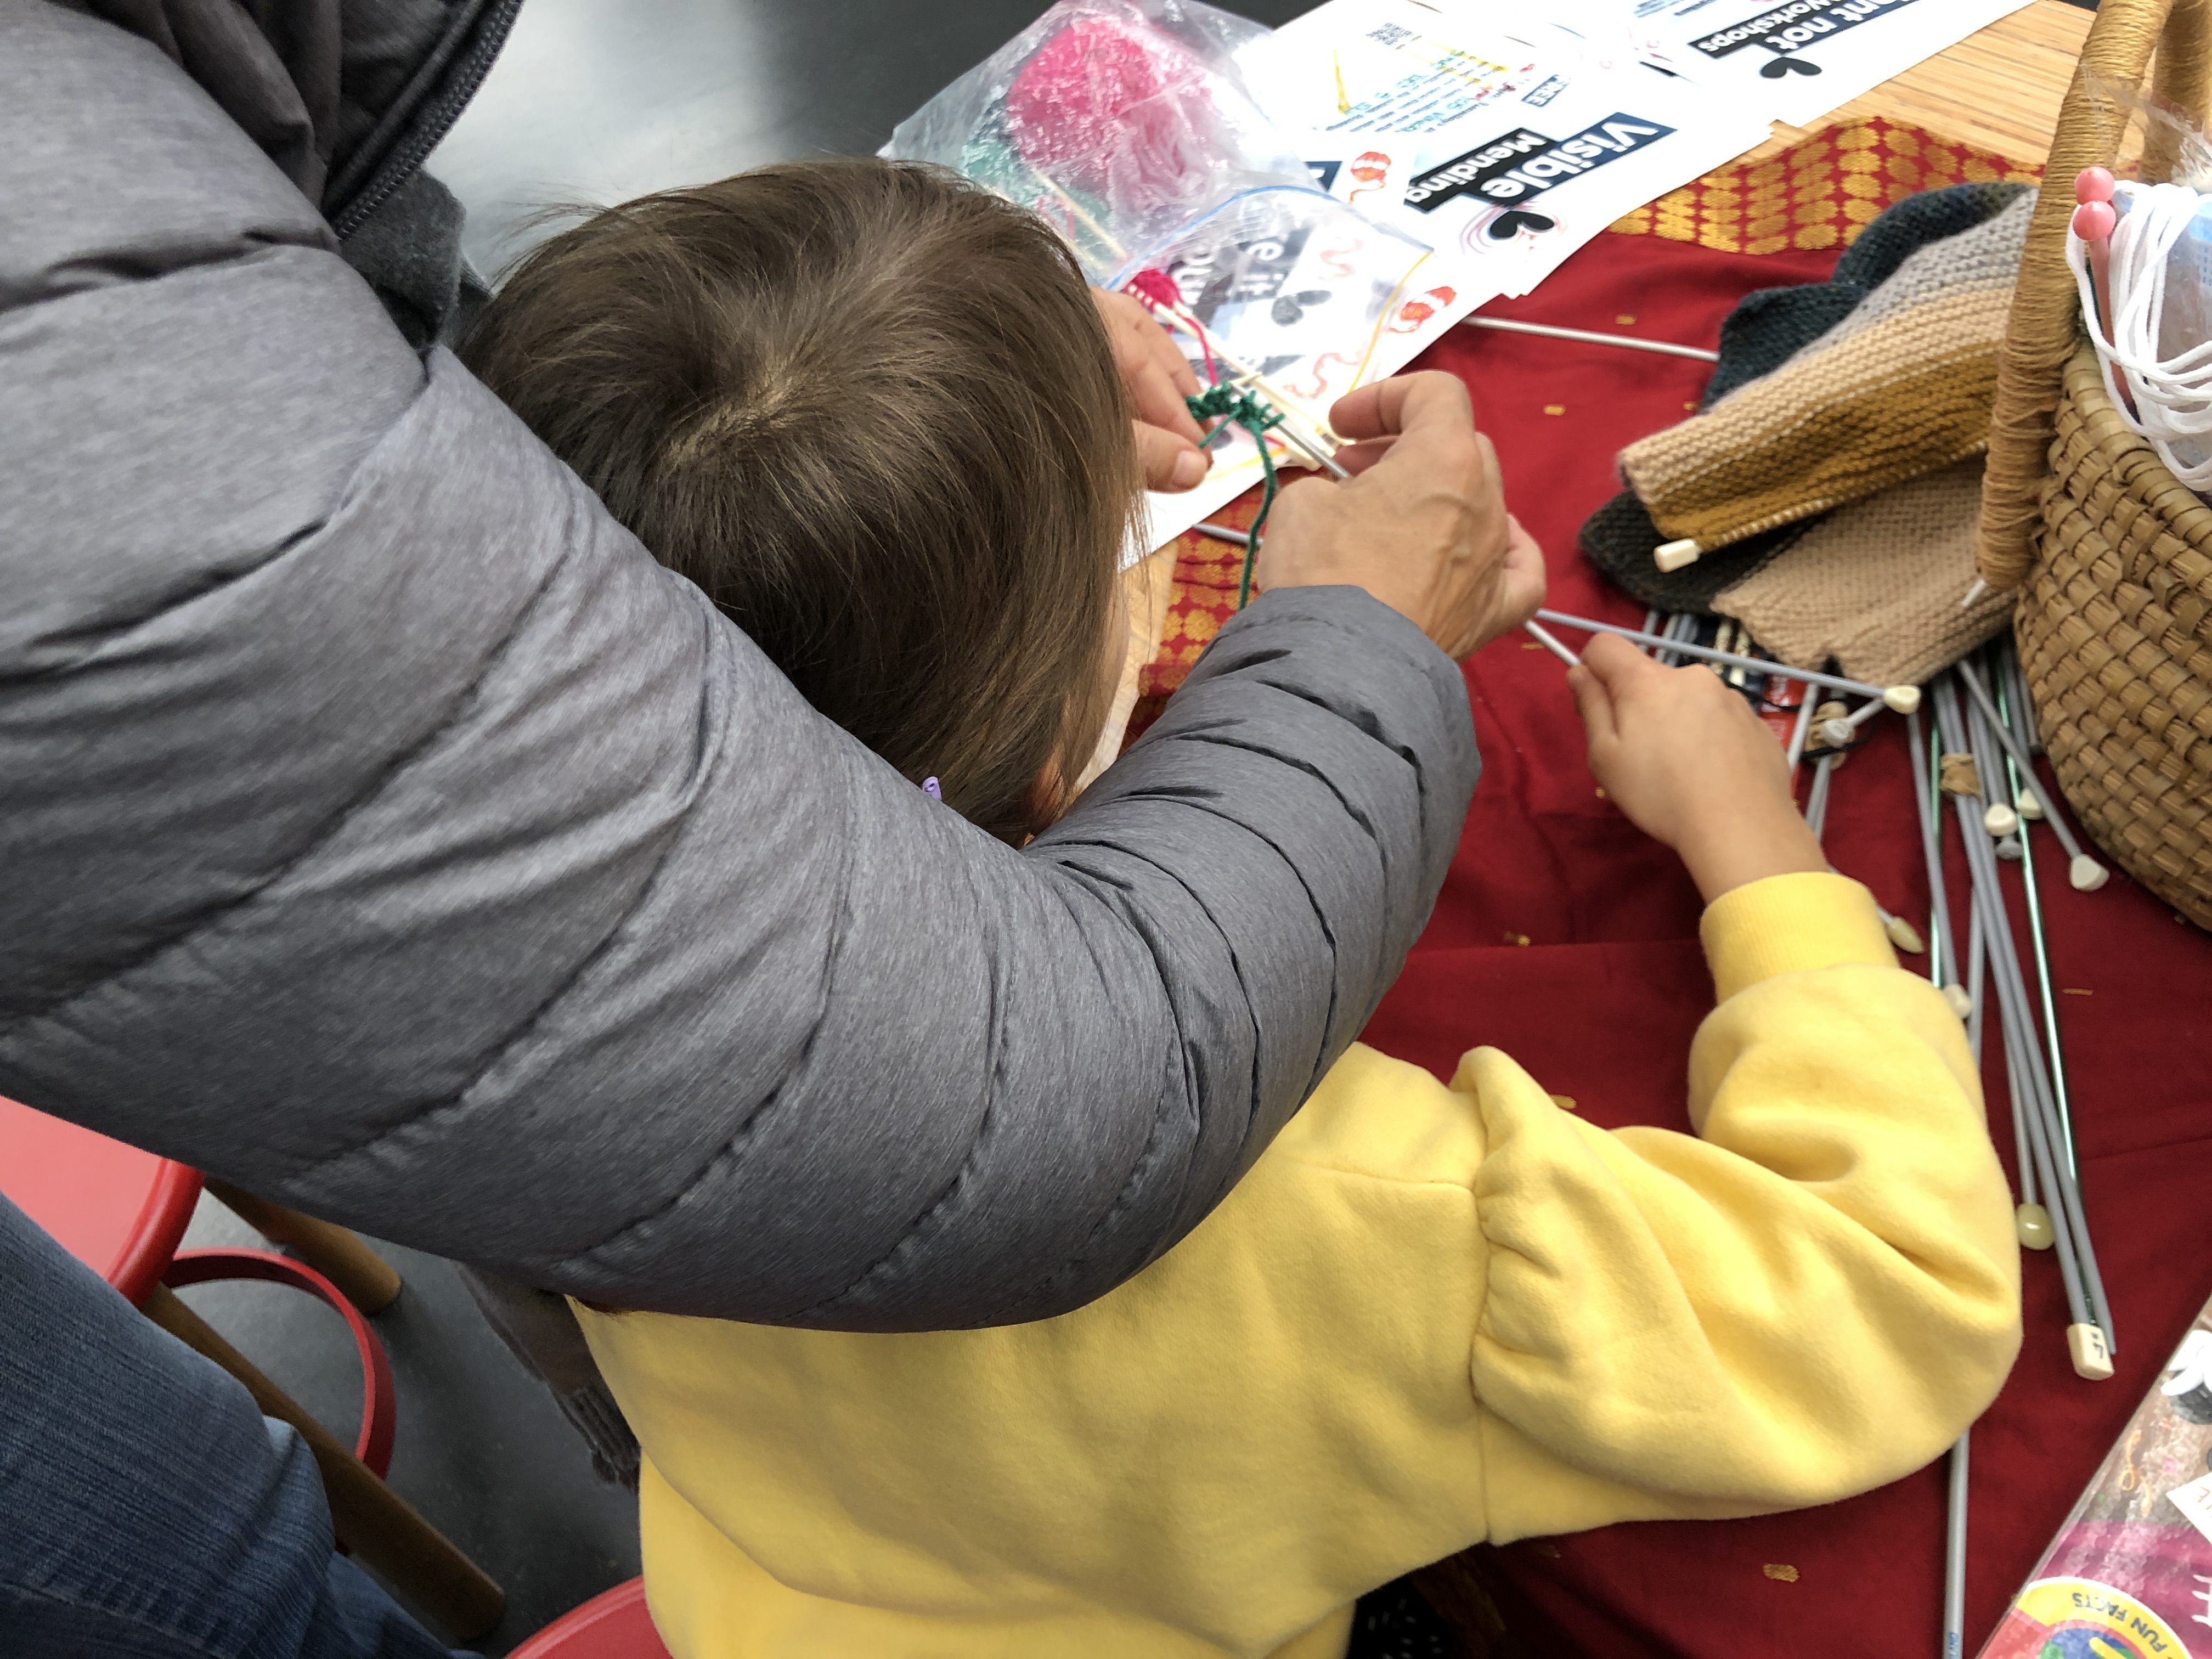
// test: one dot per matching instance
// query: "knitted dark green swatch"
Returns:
(1767, 327)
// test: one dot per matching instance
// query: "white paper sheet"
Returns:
(1790, 60)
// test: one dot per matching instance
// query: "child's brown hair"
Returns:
(871, 411)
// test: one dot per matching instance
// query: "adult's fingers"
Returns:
(1397, 404)
(1170, 461)
(1522, 578)
(1356, 459)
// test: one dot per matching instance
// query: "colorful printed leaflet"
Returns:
(1784, 60)
(2129, 1575)
(1505, 149)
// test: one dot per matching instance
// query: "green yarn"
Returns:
(1235, 406)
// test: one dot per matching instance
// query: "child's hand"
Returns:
(1692, 766)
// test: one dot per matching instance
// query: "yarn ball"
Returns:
(1109, 110)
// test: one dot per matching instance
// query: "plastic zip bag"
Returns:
(1128, 125)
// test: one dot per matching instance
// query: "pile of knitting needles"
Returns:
(1986, 723)
(1984, 719)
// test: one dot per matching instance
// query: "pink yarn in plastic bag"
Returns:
(1108, 110)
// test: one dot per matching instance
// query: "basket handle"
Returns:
(2043, 327)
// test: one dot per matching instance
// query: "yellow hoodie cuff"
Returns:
(1789, 925)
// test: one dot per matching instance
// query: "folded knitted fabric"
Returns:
(1875, 585)
(1617, 538)
(1901, 386)
(1765, 329)
(1769, 325)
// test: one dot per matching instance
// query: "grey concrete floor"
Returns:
(481, 1450)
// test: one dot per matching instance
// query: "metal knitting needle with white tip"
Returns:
(2083, 873)
(1902, 698)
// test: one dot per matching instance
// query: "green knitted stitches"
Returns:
(1239, 406)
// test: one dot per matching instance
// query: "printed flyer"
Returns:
(1787, 60)
(1504, 151)
(2129, 1575)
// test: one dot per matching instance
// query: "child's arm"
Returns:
(1817, 1293)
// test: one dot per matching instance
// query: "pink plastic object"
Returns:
(120, 1210)
(379, 1401)
(2094, 184)
(614, 1626)
(2094, 220)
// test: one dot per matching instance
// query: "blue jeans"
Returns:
(148, 1511)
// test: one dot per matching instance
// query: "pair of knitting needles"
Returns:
(1900, 698)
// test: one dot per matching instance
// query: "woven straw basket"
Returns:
(2111, 555)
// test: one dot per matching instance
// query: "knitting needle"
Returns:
(2085, 874)
(1902, 933)
(1798, 729)
(1899, 697)
(1816, 798)
(1552, 644)
(2043, 976)
(1955, 1555)
(2089, 1338)
(1663, 347)
(2086, 1341)
(2094, 220)
(2019, 710)
(1222, 532)
(1290, 428)
(2031, 1220)
(1944, 949)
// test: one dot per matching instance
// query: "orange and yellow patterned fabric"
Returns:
(1818, 195)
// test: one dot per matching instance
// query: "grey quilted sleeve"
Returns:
(381, 828)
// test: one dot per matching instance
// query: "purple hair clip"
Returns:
(929, 788)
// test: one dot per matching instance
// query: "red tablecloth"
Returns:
(1567, 939)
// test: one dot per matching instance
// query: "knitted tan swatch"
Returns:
(1876, 585)
(1901, 387)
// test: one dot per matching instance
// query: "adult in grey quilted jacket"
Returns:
(381, 828)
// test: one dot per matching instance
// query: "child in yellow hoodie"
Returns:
(1431, 1313)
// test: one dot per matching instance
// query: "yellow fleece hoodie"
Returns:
(1429, 1315)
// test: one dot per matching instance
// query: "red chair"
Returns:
(614, 1626)
(122, 1212)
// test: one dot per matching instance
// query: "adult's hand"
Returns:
(1158, 379)
(1421, 525)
